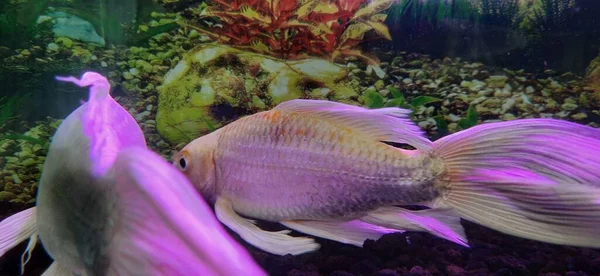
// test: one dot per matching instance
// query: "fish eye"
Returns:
(182, 163)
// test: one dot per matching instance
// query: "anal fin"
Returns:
(278, 243)
(353, 232)
(440, 222)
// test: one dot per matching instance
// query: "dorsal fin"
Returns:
(389, 124)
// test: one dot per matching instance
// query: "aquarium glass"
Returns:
(184, 69)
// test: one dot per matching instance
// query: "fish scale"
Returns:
(287, 158)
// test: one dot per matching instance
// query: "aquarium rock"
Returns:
(72, 26)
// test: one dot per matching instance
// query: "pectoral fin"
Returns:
(278, 243)
(353, 232)
(440, 222)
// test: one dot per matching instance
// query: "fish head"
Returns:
(196, 161)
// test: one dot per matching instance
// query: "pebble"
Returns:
(384, 92)
(568, 106)
(407, 81)
(579, 116)
(508, 105)
(53, 47)
(140, 116)
(127, 75)
(508, 116)
(529, 89)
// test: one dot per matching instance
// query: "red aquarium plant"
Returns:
(296, 29)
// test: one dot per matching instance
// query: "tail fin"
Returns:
(533, 178)
(16, 229)
(164, 225)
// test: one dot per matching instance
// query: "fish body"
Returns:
(300, 167)
(327, 169)
(107, 205)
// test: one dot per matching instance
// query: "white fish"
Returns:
(322, 168)
(107, 205)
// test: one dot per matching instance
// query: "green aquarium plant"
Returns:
(18, 21)
(265, 52)
(9, 108)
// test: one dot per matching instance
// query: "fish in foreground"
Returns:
(322, 168)
(107, 205)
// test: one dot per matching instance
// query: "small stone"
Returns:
(351, 66)
(134, 72)
(28, 162)
(103, 64)
(144, 66)
(478, 100)
(384, 92)
(65, 41)
(407, 81)
(16, 179)
(379, 85)
(529, 89)
(320, 92)
(508, 105)
(53, 47)
(93, 57)
(149, 107)
(568, 106)
(508, 116)
(453, 118)
(7, 196)
(162, 145)
(140, 117)
(496, 81)
(127, 75)
(579, 116)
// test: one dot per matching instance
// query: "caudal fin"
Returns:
(533, 178)
(16, 229)
(164, 225)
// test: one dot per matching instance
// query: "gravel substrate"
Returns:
(497, 94)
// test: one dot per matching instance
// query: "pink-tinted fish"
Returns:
(323, 168)
(107, 205)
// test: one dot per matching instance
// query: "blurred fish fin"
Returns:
(443, 223)
(164, 225)
(389, 124)
(353, 232)
(28, 250)
(533, 178)
(57, 269)
(278, 243)
(16, 229)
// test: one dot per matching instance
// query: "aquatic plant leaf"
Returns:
(398, 102)
(380, 17)
(355, 31)
(326, 7)
(374, 6)
(442, 125)
(470, 119)
(380, 29)
(250, 13)
(423, 100)
(260, 47)
(373, 99)
(396, 93)
(306, 8)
